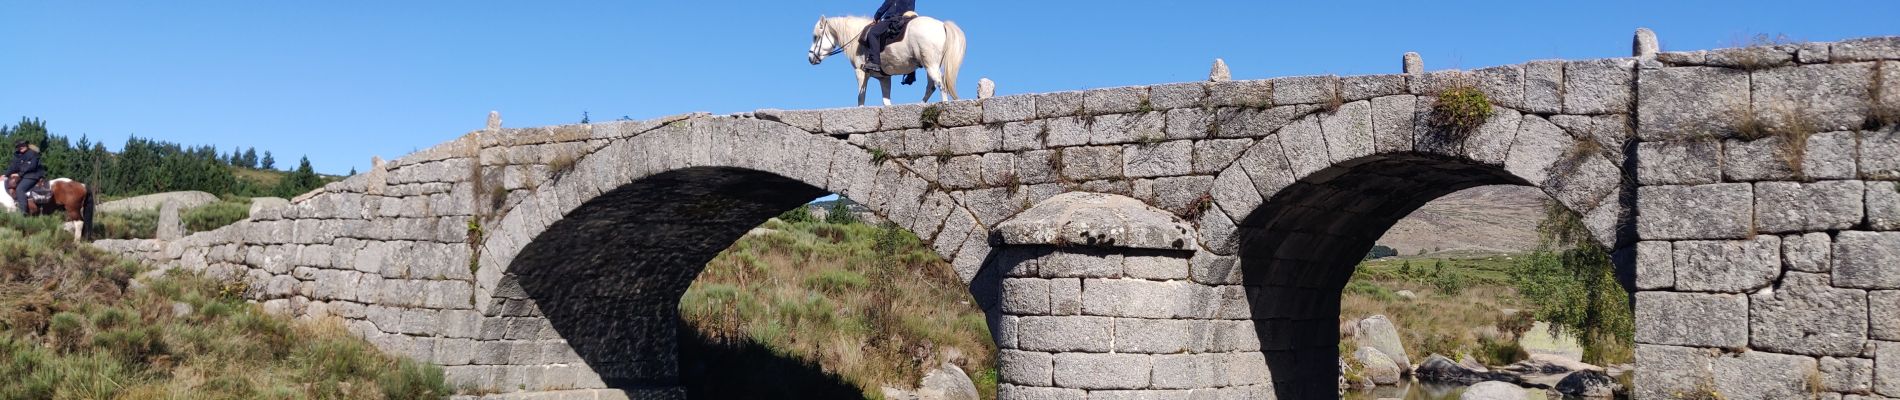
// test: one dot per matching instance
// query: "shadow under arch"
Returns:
(1298, 250)
(609, 275)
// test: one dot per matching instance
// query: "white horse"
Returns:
(933, 45)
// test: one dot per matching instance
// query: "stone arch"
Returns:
(1295, 213)
(591, 266)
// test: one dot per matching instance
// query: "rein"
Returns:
(839, 47)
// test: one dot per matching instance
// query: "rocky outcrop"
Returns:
(1438, 369)
(946, 382)
(1378, 367)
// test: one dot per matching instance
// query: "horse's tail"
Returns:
(953, 44)
(85, 213)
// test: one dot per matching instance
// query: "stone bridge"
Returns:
(1172, 241)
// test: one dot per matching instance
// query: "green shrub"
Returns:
(216, 215)
(1449, 284)
(1461, 109)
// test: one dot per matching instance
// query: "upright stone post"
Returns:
(1644, 46)
(1096, 301)
(170, 226)
(1413, 64)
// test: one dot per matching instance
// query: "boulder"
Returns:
(1380, 333)
(1379, 368)
(947, 382)
(1587, 383)
(1494, 390)
(186, 199)
(1438, 369)
(1407, 294)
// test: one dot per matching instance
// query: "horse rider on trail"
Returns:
(24, 172)
(891, 18)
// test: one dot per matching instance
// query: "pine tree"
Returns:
(269, 162)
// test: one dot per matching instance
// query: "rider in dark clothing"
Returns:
(27, 169)
(888, 17)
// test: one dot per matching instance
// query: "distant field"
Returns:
(1460, 301)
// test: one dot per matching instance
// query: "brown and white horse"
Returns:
(70, 196)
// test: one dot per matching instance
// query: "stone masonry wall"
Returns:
(1755, 273)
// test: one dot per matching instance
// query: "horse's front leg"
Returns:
(885, 83)
(862, 84)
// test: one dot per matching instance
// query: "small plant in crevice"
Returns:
(1461, 109)
(1755, 59)
(562, 163)
(1199, 207)
(1792, 124)
(931, 117)
(1150, 139)
(879, 155)
(1333, 103)
(1145, 106)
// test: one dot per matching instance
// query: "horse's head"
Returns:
(823, 43)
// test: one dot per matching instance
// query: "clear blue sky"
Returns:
(344, 80)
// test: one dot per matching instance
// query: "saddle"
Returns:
(40, 193)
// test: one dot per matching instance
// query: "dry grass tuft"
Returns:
(1461, 109)
(1791, 123)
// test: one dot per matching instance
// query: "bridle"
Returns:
(835, 47)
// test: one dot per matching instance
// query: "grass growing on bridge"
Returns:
(869, 304)
(72, 326)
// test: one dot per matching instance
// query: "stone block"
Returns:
(1116, 100)
(1234, 190)
(1177, 95)
(1081, 263)
(1144, 394)
(1169, 158)
(1060, 104)
(1504, 85)
(1883, 206)
(1867, 49)
(1691, 319)
(1655, 266)
(1065, 296)
(1102, 371)
(1539, 146)
(1887, 369)
(1141, 298)
(1364, 87)
(1187, 371)
(1689, 102)
(1809, 252)
(1820, 206)
(1159, 336)
(957, 113)
(1763, 375)
(1025, 135)
(839, 121)
(1682, 162)
(1026, 296)
(1670, 372)
(1867, 260)
(1831, 97)
(1757, 160)
(1025, 367)
(1009, 109)
(1245, 369)
(1007, 391)
(1806, 316)
(1090, 163)
(1348, 131)
(1393, 123)
(1491, 142)
(902, 116)
(1254, 94)
(1884, 315)
(962, 172)
(1731, 266)
(1212, 156)
(1188, 123)
(1831, 155)
(1211, 269)
(1306, 147)
(1718, 211)
(1156, 266)
(1847, 375)
(1880, 154)
(1128, 128)
(1612, 131)
(1315, 89)
(1065, 334)
(1543, 86)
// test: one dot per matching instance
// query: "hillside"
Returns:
(1485, 219)
(74, 325)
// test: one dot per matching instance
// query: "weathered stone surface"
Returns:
(1865, 49)
(1819, 206)
(1159, 336)
(1026, 296)
(1610, 131)
(1543, 86)
(1094, 219)
(1381, 369)
(1831, 155)
(1884, 323)
(1128, 128)
(1348, 131)
(1866, 260)
(1588, 383)
(1254, 94)
(1688, 102)
(1806, 316)
(1306, 135)
(1670, 371)
(850, 120)
(1691, 319)
(986, 88)
(1686, 162)
(1305, 89)
(1102, 371)
(1039, 393)
(1187, 371)
(1883, 206)
(1155, 266)
(1392, 123)
(1065, 334)
(1188, 123)
(1212, 156)
(1847, 375)
(1539, 146)
(1810, 252)
(1025, 367)
(1177, 95)
(1830, 97)
(1655, 265)
(1380, 333)
(1169, 158)
(1718, 211)
(1355, 88)
(1886, 370)
(1087, 163)
(184, 199)
(1763, 375)
(1116, 100)
(1143, 299)
(1008, 109)
(1727, 266)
